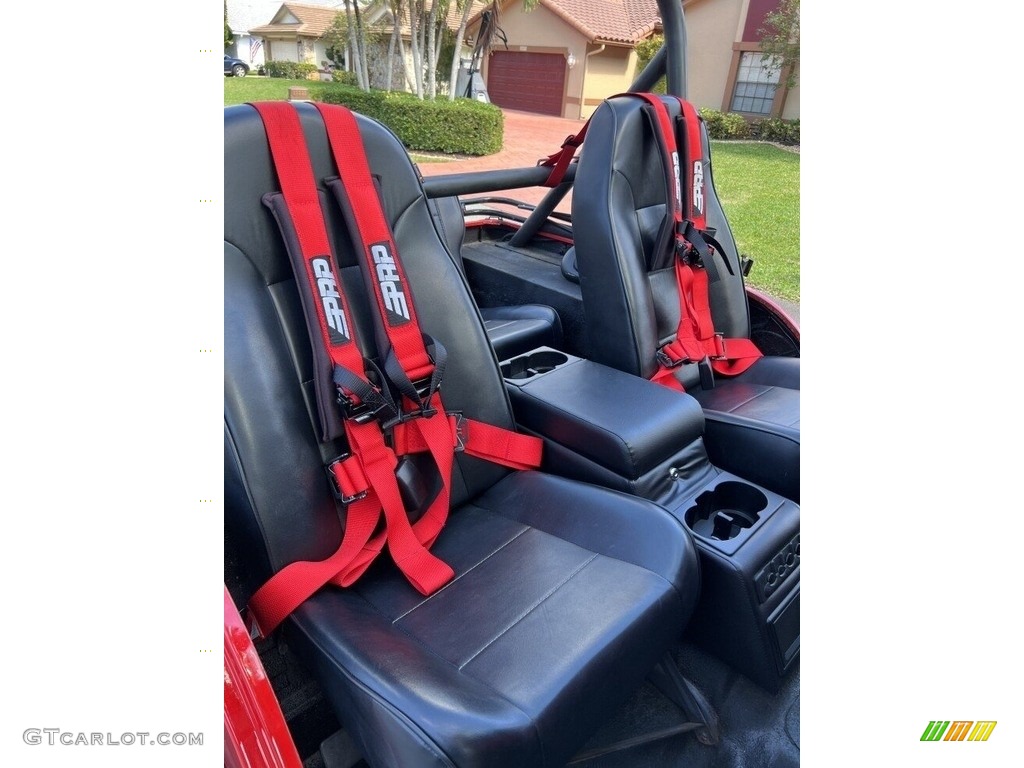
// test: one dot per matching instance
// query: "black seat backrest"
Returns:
(618, 208)
(451, 225)
(284, 509)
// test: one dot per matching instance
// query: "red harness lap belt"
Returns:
(366, 477)
(696, 339)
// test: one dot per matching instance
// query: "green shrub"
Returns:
(780, 131)
(343, 77)
(713, 120)
(725, 125)
(293, 70)
(645, 51)
(463, 126)
(735, 126)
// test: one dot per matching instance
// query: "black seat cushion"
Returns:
(502, 666)
(565, 594)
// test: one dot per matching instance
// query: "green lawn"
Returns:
(759, 186)
(238, 90)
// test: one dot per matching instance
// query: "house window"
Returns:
(756, 82)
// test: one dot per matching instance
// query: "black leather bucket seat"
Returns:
(565, 595)
(631, 301)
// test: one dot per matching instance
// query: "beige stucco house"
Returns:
(294, 33)
(566, 56)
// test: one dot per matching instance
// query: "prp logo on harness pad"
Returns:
(677, 177)
(327, 285)
(390, 281)
(698, 186)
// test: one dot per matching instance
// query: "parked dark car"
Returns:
(235, 67)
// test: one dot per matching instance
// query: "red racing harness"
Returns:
(696, 340)
(377, 428)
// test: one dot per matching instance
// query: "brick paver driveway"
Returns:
(528, 138)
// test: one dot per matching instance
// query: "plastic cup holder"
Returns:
(725, 511)
(533, 364)
(516, 369)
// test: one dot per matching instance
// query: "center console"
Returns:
(603, 426)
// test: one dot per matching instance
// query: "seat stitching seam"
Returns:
(531, 609)
(457, 578)
(428, 650)
(602, 554)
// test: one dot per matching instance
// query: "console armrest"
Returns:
(621, 422)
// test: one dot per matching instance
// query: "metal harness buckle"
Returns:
(335, 488)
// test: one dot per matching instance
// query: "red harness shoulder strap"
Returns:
(696, 339)
(559, 161)
(411, 368)
(367, 475)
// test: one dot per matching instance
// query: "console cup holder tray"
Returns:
(726, 511)
(534, 363)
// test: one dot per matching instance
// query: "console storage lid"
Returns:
(624, 423)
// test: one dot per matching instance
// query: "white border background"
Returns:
(911, 418)
(113, 567)
(910, 313)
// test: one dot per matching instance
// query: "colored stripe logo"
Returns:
(958, 730)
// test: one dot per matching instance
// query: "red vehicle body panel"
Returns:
(255, 732)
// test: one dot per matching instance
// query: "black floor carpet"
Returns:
(757, 729)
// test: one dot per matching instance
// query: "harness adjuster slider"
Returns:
(461, 433)
(404, 416)
(362, 412)
(667, 361)
(358, 497)
(688, 253)
(425, 392)
(720, 347)
(336, 489)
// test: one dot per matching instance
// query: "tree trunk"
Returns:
(364, 68)
(397, 8)
(391, 57)
(415, 39)
(406, 74)
(431, 75)
(353, 48)
(460, 35)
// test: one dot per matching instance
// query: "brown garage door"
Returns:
(532, 82)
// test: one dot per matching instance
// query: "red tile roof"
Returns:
(614, 21)
(314, 20)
